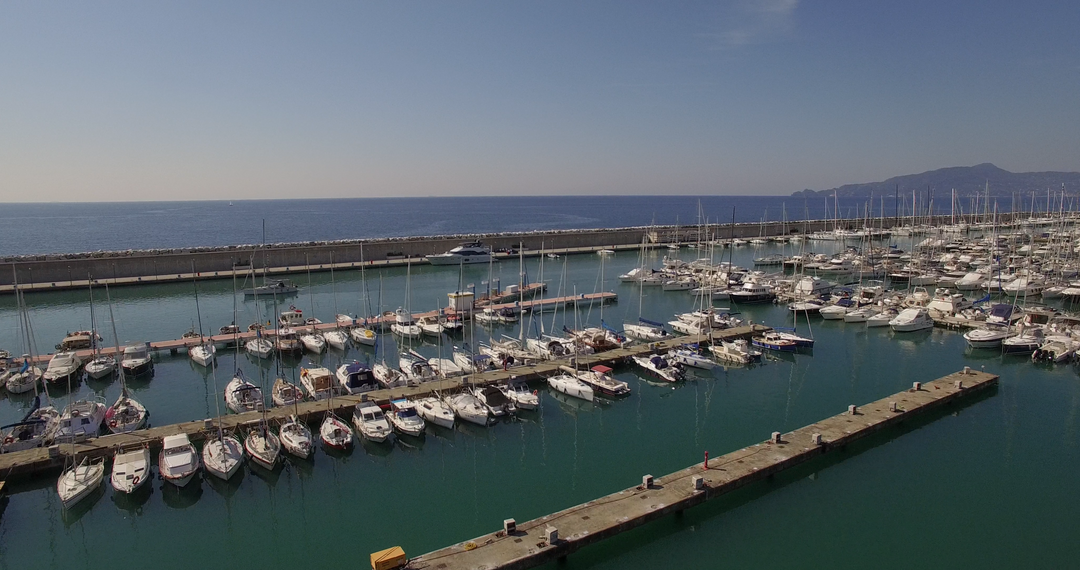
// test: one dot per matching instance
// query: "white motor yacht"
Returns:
(912, 319)
(130, 469)
(737, 352)
(79, 481)
(660, 367)
(494, 400)
(80, 420)
(136, 360)
(881, 319)
(371, 422)
(689, 355)
(405, 419)
(862, 314)
(988, 336)
(599, 378)
(63, 367)
(178, 462)
(519, 393)
(464, 254)
(404, 325)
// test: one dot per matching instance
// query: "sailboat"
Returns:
(205, 352)
(100, 365)
(263, 445)
(80, 480)
(333, 431)
(336, 338)
(39, 425)
(241, 395)
(127, 413)
(362, 333)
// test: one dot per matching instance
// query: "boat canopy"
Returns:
(1002, 311)
(601, 369)
(648, 322)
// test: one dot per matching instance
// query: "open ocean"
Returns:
(82, 227)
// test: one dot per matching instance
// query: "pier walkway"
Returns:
(175, 345)
(530, 545)
(43, 459)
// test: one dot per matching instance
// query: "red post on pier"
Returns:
(706, 465)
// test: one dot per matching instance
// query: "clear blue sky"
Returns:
(233, 100)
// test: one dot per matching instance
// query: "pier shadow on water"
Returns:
(626, 543)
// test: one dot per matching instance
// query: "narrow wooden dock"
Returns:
(580, 526)
(29, 462)
(175, 345)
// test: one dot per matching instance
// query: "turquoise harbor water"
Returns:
(989, 484)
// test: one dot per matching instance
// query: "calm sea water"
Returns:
(989, 484)
(68, 228)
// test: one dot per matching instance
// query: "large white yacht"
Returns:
(464, 254)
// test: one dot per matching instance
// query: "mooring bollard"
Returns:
(816, 439)
(699, 482)
(776, 437)
(916, 386)
(646, 481)
(893, 407)
(853, 409)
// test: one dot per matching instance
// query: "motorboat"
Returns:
(405, 419)
(313, 342)
(64, 367)
(130, 469)
(468, 408)
(78, 340)
(404, 325)
(773, 341)
(356, 378)
(808, 306)
(136, 360)
(494, 400)
(318, 382)
(335, 433)
(752, 292)
(736, 351)
(1057, 348)
(178, 462)
(296, 437)
(599, 378)
(80, 480)
(371, 422)
(272, 287)
(690, 355)
(203, 353)
(430, 325)
(947, 303)
(660, 367)
(287, 343)
(837, 310)
(100, 366)
(519, 393)
(862, 314)
(452, 324)
(80, 420)
(292, 318)
(242, 396)
(435, 411)
(222, 454)
(1027, 340)
(126, 414)
(989, 335)
(912, 319)
(263, 446)
(464, 254)
(285, 393)
(571, 385)
(550, 347)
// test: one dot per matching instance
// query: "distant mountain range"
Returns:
(966, 180)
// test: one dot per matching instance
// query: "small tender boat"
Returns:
(242, 396)
(285, 393)
(318, 382)
(77, 482)
(296, 437)
(334, 432)
(571, 386)
(435, 411)
(222, 454)
(178, 462)
(131, 469)
(371, 422)
(468, 408)
(403, 416)
(263, 446)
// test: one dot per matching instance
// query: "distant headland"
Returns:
(966, 180)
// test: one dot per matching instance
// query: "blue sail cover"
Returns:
(648, 322)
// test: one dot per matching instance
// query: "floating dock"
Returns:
(557, 535)
(44, 459)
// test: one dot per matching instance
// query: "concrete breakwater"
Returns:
(65, 271)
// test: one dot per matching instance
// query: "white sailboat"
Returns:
(126, 414)
(222, 452)
(79, 481)
(571, 386)
(434, 410)
(296, 437)
(468, 408)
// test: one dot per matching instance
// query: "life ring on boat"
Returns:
(112, 423)
(9, 439)
(74, 413)
(135, 481)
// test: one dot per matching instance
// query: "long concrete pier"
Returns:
(559, 534)
(42, 460)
